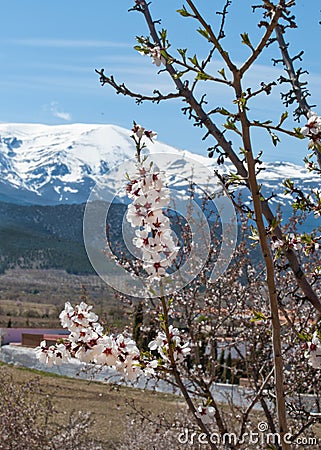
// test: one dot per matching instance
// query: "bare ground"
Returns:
(108, 404)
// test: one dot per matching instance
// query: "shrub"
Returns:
(27, 420)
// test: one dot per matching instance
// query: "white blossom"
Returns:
(81, 315)
(86, 354)
(313, 351)
(150, 367)
(206, 414)
(158, 59)
(107, 351)
(155, 54)
(52, 355)
(161, 344)
(118, 351)
(140, 132)
(312, 129)
(154, 236)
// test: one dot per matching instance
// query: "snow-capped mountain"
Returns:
(49, 165)
(41, 164)
(47, 174)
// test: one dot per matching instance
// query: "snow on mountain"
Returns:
(44, 164)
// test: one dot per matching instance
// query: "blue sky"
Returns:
(50, 49)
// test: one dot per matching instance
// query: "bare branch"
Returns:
(270, 269)
(253, 402)
(223, 13)
(205, 120)
(199, 71)
(267, 88)
(276, 14)
(221, 35)
(122, 89)
(298, 92)
(272, 127)
(212, 37)
(293, 78)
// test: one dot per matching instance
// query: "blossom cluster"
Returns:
(317, 211)
(313, 351)
(155, 54)
(153, 234)
(312, 130)
(306, 243)
(140, 132)
(161, 344)
(314, 202)
(53, 354)
(291, 242)
(89, 344)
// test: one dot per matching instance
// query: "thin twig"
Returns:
(268, 32)
(122, 89)
(253, 402)
(293, 78)
(212, 37)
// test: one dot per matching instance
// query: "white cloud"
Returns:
(63, 115)
(56, 112)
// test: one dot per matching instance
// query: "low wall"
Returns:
(222, 393)
(26, 357)
(14, 335)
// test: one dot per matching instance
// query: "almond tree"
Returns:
(289, 279)
(187, 72)
(231, 315)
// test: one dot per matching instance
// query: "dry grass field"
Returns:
(109, 405)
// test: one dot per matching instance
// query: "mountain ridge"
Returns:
(60, 164)
(48, 172)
